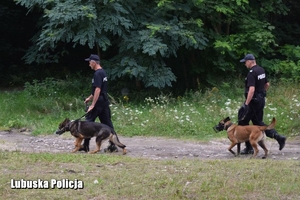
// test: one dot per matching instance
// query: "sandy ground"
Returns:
(145, 147)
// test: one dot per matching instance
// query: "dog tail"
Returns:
(269, 127)
(272, 125)
(116, 141)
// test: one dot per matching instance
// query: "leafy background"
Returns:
(163, 44)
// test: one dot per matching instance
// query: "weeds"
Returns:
(41, 106)
(121, 177)
(190, 116)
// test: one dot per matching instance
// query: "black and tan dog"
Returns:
(84, 129)
(238, 134)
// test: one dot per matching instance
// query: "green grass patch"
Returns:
(121, 177)
(191, 116)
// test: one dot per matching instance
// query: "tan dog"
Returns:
(238, 134)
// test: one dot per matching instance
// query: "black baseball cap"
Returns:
(248, 57)
(93, 57)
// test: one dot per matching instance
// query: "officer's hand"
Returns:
(86, 100)
(243, 111)
(246, 107)
(91, 107)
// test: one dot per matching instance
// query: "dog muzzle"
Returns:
(59, 132)
(218, 128)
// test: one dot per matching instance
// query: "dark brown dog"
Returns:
(238, 134)
(84, 129)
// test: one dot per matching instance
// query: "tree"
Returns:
(157, 42)
(14, 35)
(142, 39)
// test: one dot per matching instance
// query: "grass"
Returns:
(121, 177)
(191, 116)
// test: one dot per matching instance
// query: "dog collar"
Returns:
(226, 127)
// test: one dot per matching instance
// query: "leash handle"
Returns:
(86, 109)
(86, 104)
(83, 115)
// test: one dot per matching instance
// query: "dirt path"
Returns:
(145, 147)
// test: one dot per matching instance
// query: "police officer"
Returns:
(256, 85)
(99, 98)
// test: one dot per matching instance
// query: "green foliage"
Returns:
(287, 68)
(153, 37)
(53, 88)
(153, 42)
(157, 76)
(244, 33)
(190, 116)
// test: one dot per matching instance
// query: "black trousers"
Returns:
(104, 114)
(255, 114)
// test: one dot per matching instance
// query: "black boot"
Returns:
(111, 148)
(280, 139)
(248, 149)
(86, 145)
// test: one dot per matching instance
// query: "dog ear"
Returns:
(227, 119)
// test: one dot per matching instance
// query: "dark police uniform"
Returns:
(257, 77)
(101, 108)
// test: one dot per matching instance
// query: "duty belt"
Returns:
(257, 95)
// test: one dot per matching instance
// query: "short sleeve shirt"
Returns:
(99, 80)
(256, 77)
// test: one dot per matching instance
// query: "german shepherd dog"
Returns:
(238, 134)
(85, 129)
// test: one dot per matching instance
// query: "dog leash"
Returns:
(85, 109)
(82, 116)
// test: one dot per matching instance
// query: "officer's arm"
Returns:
(267, 85)
(95, 98)
(250, 94)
